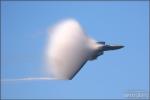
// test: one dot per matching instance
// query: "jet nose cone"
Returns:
(118, 46)
(112, 47)
(122, 46)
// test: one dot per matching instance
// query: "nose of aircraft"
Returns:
(112, 47)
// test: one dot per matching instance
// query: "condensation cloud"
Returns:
(68, 49)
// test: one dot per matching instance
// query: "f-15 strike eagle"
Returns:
(69, 48)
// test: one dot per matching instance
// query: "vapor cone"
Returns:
(68, 49)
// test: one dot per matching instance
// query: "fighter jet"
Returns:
(69, 48)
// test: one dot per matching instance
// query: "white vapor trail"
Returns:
(28, 79)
